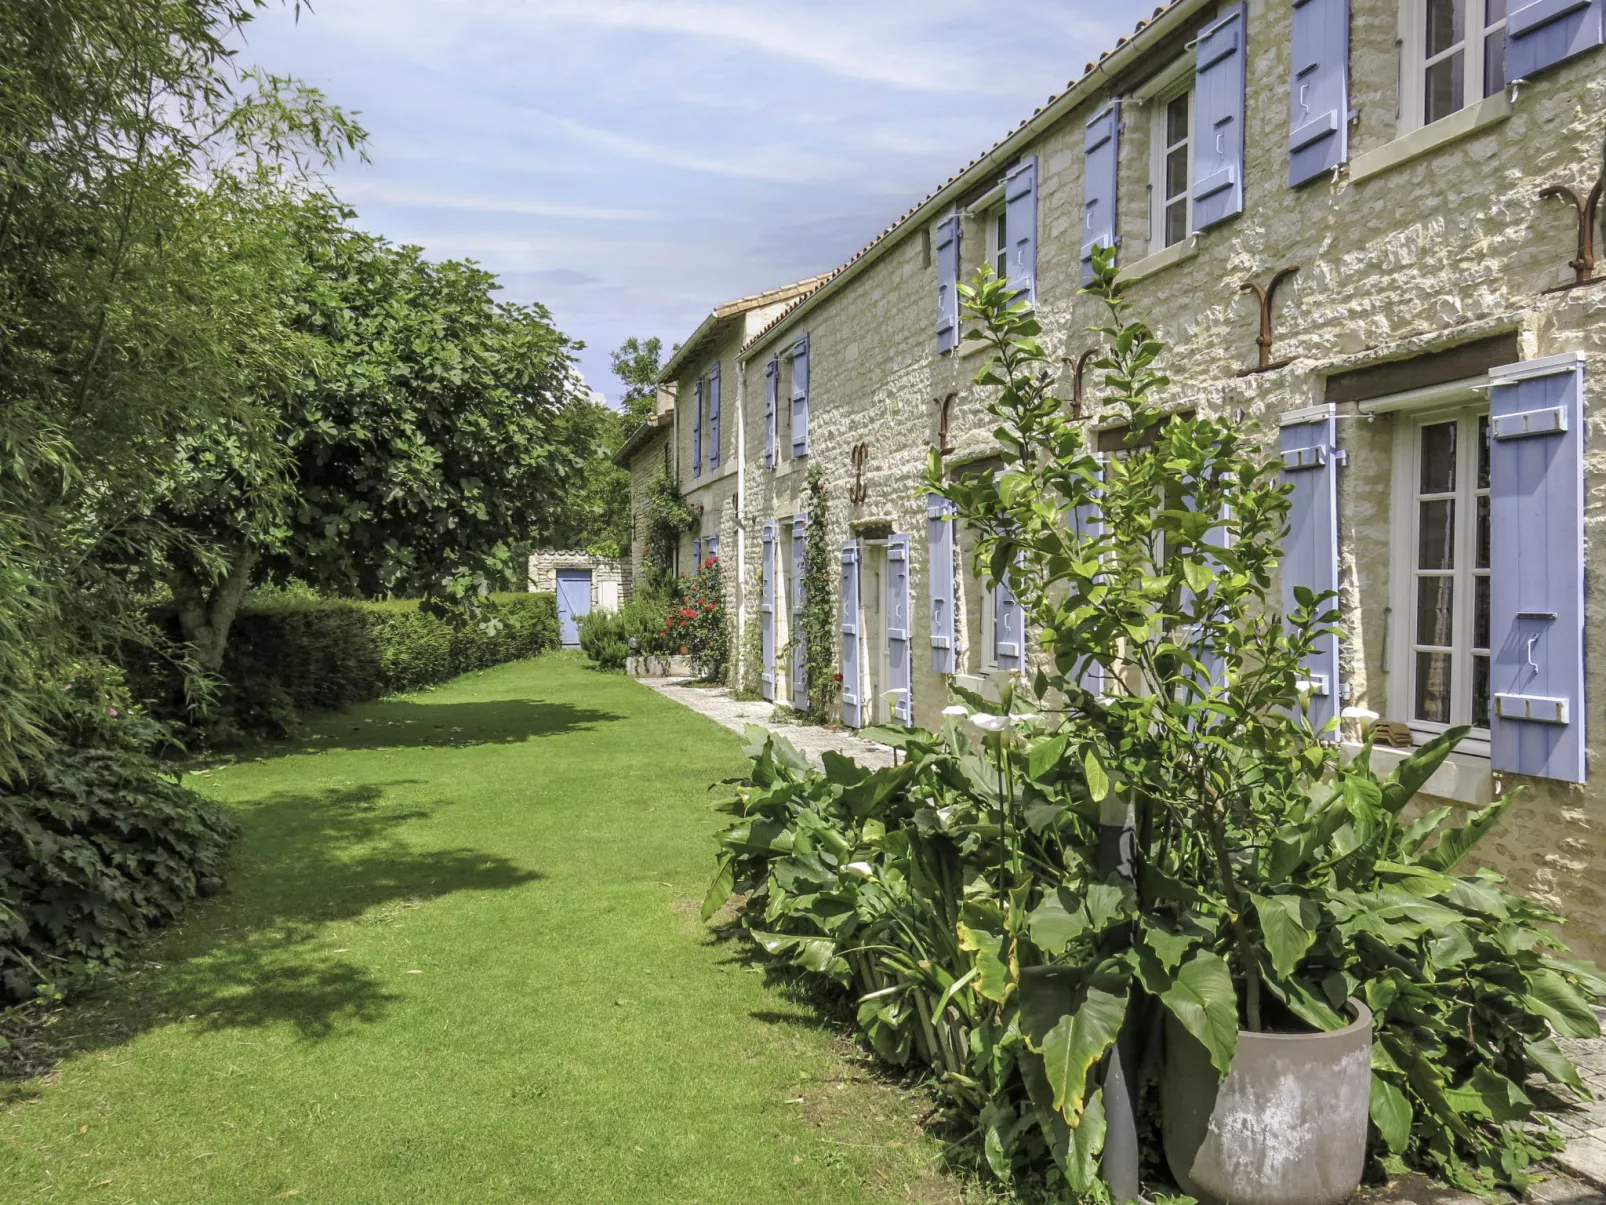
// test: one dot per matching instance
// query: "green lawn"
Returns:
(459, 960)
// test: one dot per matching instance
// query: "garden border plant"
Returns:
(962, 895)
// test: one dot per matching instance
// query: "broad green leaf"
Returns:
(1047, 996)
(1419, 830)
(1057, 921)
(1056, 1134)
(1502, 1100)
(1202, 998)
(720, 889)
(1098, 782)
(843, 771)
(1169, 948)
(1288, 923)
(1045, 756)
(1411, 774)
(1558, 1068)
(1107, 904)
(1451, 950)
(1305, 1004)
(1087, 1141)
(1391, 1113)
(1456, 844)
(1080, 1040)
(992, 976)
(1553, 998)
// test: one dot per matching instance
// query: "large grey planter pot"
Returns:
(1286, 1127)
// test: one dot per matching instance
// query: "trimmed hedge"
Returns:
(296, 655)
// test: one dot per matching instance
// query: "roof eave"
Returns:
(1049, 115)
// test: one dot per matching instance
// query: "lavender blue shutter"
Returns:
(697, 434)
(711, 547)
(1318, 137)
(900, 645)
(852, 622)
(800, 681)
(1218, 122)
(800, 397)
(1020, 220)
(1088, 524)
(1310, 551)
(713, 418)
(940, 568)
(697, 553)
(772, 386)
(1542, 33)
(1099, 172)
(1536, 567)
(766, 607)
(948, 283)
(1008, 627)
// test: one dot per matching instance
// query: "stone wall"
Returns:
(609, 576)
(654, 460)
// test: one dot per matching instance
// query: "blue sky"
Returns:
(633, 163)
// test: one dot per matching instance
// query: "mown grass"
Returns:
(460, 961)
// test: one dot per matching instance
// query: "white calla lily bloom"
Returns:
(861, 870)
(1358, 713)
(956, 710)
(990, 723)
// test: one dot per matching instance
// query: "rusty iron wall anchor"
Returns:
(859, 492)
(1583, 265)
(944, 448)
(1266, 295)
(1082, 362)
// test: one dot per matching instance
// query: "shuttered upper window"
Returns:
(1172, 166)
(1455, 54)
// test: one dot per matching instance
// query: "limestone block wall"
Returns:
(609, 576)
(1429, 253)
(646, 466)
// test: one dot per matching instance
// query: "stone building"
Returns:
(648, 456)
(1432, 373)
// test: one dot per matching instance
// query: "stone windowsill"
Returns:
(711, 477)
(792, 464)
(1176, 253)
(1463, 778)
(1460, 124)
(971, 347)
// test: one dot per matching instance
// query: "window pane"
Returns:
(1438, 459)
(1435, 599)
(1483, 532)
(1480, 692)
(1446, 24)
(1483, 452)
(1433, 687)
(1480, 613)
(1445, 88)
(1494, 62)
(1494, 12)
(1002, 234)
(1176, 173)
(1176, 222)
(1436, 535)
(1176, 120)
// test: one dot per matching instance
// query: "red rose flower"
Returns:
(836, 677)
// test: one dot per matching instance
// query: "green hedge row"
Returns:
(299, 655)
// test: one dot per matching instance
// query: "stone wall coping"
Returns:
(1460, 124)
(1176, 253)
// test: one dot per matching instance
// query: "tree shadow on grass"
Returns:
(258, 956)
(410, 724)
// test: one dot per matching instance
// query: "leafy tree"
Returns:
(637, 363)
(428, 436)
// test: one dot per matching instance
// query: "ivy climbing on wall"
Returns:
(819, 617)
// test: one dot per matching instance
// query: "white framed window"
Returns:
(1439, 622)
(1171, 166)
(998, 242)
(1453, 54)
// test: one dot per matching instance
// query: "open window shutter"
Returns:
(800, 397)
(1099, 172)
(948, 283)
(697, 434)
(713, 418)
(1318, 132)
(800, 681)
(766, 607)
(900, 668)
(772, 385)
(852, 704)
(1542, 33)
(1087, 524)
(711, 547)
(940, 570)
(1536, 567)
(1310, 551)
(1008, 627)
(1218, 122)
(1020, 220)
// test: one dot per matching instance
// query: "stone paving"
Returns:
(1579, 1174)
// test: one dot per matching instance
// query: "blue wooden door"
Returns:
(574, 603)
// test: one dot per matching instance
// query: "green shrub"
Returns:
(604, 638)
(98, 845)
(291, 653)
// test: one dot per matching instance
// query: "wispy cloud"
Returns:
(388, 192)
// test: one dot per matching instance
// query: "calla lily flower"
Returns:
(990, 723)
(956, 710)
(861, 870)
